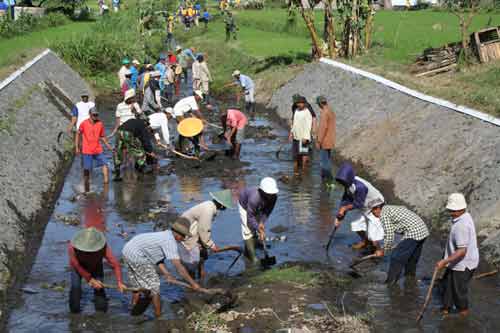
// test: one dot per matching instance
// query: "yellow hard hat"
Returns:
(190, 127)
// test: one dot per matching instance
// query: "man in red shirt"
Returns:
(86, 252)
(92, 133)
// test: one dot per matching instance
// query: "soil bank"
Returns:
(425, 150)
(32, 163)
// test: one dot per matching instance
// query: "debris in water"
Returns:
(28, 290)
(54, 286)
(70, 219)
(317, 307)
(279, 229)
(276, 239)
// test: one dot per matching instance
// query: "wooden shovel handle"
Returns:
(483, 275)
(429, 294)
(359, 261)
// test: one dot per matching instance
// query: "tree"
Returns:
(329, 35)
(306, 10)
(356, 17)
(465, 10)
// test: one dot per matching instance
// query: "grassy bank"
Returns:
(264, 43)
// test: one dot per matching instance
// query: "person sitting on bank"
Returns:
(234, 123)
(86, 252)
(400, 220)
(255, 205)
(145, 253)
(201, 217)
(357, 194)
(461, 256)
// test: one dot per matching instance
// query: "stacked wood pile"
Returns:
(436, 60)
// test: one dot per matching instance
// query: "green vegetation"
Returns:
(27, 23)
(293, 274)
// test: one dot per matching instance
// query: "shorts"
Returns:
(295, 149)
(143, 276)
(91, 161)
(249, 96)
(366, 221)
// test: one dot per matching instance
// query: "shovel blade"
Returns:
(268, 261)
(141, 306)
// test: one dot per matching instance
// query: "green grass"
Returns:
(17, 50)
(294, 274)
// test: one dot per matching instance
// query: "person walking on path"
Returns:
(194, 249)
(230, 26)
(357, 194)
(80, 112)
(126, 110)
(234, 123)
(205, 76)
(169, 41)
(326, 137)
(146, 253)
(206, 18)
(255, 205)
(461, 256)
(400, 220)
(125, 68)
(248, 88)
(92, 133)
(135, 137)
(301, 133)
(86, 252)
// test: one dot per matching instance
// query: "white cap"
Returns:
(170, 110)
(178, 48)
(236, 73)
(456, 201)
(199, 93)
(136, 62)
(129, 94)
(269, 186)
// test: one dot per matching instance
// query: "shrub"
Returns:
(27, 23)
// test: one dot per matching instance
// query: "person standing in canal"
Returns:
(357, 194)
(301, 133)
(247, 86)
(255, 206)
(80, 112)
(91, 133)
(326, 137)
(461, 256)
(86, 252)
(400, 220)
(194, 249)
(234, 123)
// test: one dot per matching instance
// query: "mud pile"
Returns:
(32, 163)
(427, 151)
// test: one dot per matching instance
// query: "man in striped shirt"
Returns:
(400, 220)
(145, 252)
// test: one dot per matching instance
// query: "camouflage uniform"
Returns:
(133, 146)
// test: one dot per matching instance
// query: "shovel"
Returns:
(356, 262)
(330, 240)
(233, 263)
(268, 261)
(429, 295)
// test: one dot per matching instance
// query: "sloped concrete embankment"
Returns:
(425, 150)
(32, 163)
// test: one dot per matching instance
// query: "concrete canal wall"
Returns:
(425, 149)
(32, 163)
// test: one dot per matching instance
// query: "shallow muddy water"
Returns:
(304, 209)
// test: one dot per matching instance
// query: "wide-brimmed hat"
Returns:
(149, 66)
(182, 226)
(269, 185)
(126, 61)
(190, 127)
(129, 94)
(374, 203)
(236, 73)
(178, 48)
(198, 93)
(456, 201)
(223, 197)
(84, 94)
(300, 99)
(89, 240)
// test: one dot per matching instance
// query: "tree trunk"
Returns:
(388, 4)
(330, 29)
(308, 16)
(369, 28)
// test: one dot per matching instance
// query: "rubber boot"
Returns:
(117, 177)
(250, 253)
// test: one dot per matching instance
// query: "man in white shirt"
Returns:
(125, 68)
(188, 104)
(128, 109)
(80, 112)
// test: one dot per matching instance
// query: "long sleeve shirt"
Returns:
(89, 264)
(258, 209)
(205, 72)
(401, 220)
(327, 130)
(201, 217)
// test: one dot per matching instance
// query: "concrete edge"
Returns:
(23, 69)
(405, 90)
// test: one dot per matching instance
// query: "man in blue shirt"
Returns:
(161, 67)
(248, 87)
(135, 72)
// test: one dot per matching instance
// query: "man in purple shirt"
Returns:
(255, 205)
